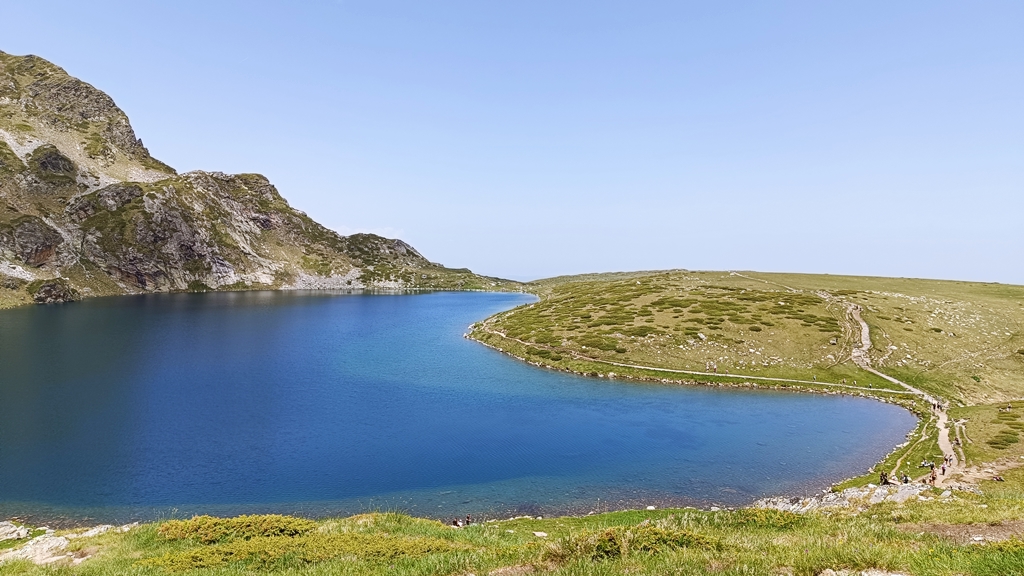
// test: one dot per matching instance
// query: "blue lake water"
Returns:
(315, 403)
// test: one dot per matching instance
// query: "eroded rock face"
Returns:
(34, 241)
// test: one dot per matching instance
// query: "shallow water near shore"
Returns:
(117, 409)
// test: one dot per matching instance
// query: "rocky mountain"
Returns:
(86, 210)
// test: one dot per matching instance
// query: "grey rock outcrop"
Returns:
(45, 549)
(849, 498)
(53, 291)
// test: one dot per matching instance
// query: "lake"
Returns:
(317, 403)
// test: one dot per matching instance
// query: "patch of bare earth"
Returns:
(988, 471)
(513, 571)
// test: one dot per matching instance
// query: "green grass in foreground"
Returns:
(684, 541)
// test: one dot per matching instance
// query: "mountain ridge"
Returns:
(85, 210)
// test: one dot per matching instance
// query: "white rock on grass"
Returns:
(94, 531)
(11, 531)
(44, 549)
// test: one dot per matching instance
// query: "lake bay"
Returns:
(317, 403)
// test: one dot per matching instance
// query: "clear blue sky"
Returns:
(530, 139)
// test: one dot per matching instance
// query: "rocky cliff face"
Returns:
(85, 209)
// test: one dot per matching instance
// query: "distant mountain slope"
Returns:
(85, 210)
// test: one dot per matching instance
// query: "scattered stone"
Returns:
(512, 571)
(851, 497)
(651, 508)
(868, 572)
(94, 531)
(127, 527)
(946, 494)
(541, 534)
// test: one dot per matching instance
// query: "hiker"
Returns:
(469, 520)
(943, 469)
(933, 477)
(883, 479)
(998, 478)
(906, 479)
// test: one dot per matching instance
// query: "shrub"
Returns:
(754, 328)
(642, 331)
(208, 530)
(599, 342)
(1003, 440)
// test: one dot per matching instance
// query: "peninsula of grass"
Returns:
(959, 342)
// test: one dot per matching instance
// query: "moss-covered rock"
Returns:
(52, 291)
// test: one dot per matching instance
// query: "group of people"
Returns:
(940, 470)
(884, 479)
(458, 523)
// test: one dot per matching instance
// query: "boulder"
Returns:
(11, 531)
(44, 549)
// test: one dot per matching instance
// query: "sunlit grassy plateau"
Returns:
(960, 342)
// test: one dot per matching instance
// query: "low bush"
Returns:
(1004, 440)
(209, 530)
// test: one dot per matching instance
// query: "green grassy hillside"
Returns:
(959, 341)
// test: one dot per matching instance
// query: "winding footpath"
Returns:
(862, 359)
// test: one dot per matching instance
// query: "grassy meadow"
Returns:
(959, 341)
